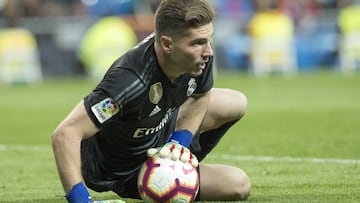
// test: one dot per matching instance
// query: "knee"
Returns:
(242, 189)
(242, 103)
(225, 105)
(239, 185)
(239, 103)
(230, 183)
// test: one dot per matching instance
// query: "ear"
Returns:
(166, 43)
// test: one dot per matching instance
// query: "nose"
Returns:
(208, 50)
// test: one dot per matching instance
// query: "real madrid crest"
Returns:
(191, 87)
(155, 93)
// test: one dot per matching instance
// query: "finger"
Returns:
(193, 161)
(165, 151)
(151, 152)
(175, 154)
(185, 155)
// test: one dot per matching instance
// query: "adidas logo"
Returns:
(156, 110)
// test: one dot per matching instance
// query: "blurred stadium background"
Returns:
(299, 140)
(257, 36)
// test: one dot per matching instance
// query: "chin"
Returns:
(196, 73)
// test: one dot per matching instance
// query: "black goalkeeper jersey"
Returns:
(133, 106)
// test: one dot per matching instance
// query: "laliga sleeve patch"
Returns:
(105, 109)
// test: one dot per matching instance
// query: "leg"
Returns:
(225, 105)
(225, 108)
(229, 183)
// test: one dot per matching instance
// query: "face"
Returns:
(191, 52)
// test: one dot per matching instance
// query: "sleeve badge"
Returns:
(105, 109)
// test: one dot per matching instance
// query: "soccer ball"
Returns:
(163, 180)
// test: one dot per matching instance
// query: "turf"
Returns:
(298, 142)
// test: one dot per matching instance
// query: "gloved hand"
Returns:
(79, 194)
(176, 148)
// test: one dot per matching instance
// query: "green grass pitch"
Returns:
(299, 140)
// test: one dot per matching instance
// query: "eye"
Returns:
(195, 45)
(198, 43)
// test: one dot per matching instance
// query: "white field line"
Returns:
(282, 159)
(45, 148)
(25, 148)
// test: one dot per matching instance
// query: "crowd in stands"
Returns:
(257, 35)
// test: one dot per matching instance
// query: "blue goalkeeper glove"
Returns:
(79, 194)
(177, 148)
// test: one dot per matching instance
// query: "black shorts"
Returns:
(100, 179)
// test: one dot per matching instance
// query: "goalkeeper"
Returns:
(157, 97)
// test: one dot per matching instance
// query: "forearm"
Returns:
(192, 113)
(66, 140)
(189, 119)
(67, 155)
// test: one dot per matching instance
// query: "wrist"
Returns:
(78, 194)
(183, 137)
